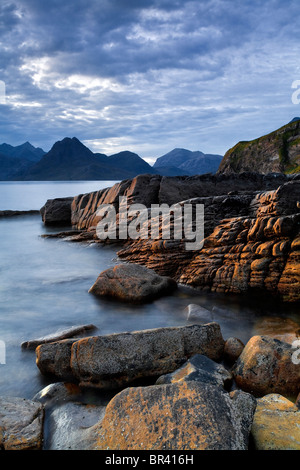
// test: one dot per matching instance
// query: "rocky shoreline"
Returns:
(179, 388)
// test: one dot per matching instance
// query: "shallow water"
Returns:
(44, 287)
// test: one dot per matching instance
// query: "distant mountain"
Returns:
(14, 160)
(9, 167)
(187, 162)
(277, 152)
(25, 151)
(69, 159)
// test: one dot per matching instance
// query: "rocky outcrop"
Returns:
(278, 151)
(276, 424)
(21, 424)
(12, 213)
(156, 189)
(57, 211)
(112, 361)
(132, 283)
(179, 416)
(257, 249)
(266, 366)
(251, 230)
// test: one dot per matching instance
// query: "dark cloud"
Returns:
(148, 74)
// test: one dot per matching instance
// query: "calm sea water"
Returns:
(44, 286)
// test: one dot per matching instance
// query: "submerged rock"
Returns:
(276, 424)
(178, 416)
(132, 283)
(113, 361)
(266, 366)
(21, 424)
(198, 313)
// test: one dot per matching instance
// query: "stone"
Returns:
(132, 283)
(197, 313)
(58, 335)
(12, 213)
(53, 359)
(112, 361)
(266, 366)
(201, 369)
(57, 393)
(69, 426)
(233, 349)
(21, 424)
(57, 211)
(178, 416)
(276, 424)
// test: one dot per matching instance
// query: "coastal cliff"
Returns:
(278, 151)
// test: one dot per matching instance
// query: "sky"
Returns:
(147, 75)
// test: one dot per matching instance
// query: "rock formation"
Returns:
(278, 151)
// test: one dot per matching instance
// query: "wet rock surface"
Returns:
(266, 366)
(276, 424)
(183, 416)
(112, 361)
(132, 283)
(21, 424)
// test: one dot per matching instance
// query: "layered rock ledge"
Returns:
(251, 230)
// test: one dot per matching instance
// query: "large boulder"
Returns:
(132, 283)
(179, 416)
(266, 366)
(112, 361)
(21, 424)
(57, 211)
(276, 424)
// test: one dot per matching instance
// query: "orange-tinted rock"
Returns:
(233, 349)
(266, 366)
(113, 361)
(132, 283)
(21, 424)
(276, 424)
(179, 416)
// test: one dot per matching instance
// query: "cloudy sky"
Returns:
(147, 75)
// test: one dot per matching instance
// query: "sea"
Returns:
(44, 285)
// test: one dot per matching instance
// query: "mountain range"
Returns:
(70, 159)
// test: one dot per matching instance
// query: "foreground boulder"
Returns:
(21, 424)
(113, 361)
(276, 424)
(132, 283)
(266, 366)
(179, 416)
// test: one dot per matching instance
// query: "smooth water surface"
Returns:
(32, 195)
